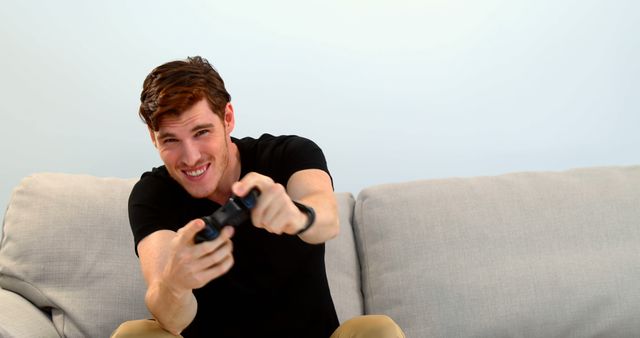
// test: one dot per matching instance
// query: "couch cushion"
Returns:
(19, 318)
(343, 269)
(67, 248)
(520, 255)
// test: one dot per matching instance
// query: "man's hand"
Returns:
(276, 212)
(172, 274)
(191, 266)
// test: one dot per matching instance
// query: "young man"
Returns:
(263, 278)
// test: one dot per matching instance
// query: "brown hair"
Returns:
(176, 86)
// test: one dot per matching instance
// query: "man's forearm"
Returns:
(326, 225)
(313, 188)
(173, 311)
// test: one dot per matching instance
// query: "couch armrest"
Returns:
(19, 318)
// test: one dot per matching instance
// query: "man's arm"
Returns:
(276, 212)
(173, 265)
(313, 187)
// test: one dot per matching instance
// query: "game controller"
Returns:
(236, 211)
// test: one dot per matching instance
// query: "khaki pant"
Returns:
(371, 326)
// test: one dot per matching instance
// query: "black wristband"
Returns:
(311, 216)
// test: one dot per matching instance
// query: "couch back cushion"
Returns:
(520, 255)
(67, 247)
(343, 269)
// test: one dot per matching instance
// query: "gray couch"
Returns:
(539, 254)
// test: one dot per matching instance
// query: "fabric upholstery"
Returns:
(343, 269)
(67, 248)
(517, 255)
(24, 320)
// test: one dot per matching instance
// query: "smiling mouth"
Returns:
(196, 172)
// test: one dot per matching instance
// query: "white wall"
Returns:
(392, 90)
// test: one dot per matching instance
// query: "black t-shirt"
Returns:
(278, 285)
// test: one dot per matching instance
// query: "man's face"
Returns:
(195, 147)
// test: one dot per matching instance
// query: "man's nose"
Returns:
(190, 154)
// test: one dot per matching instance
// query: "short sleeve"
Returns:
(300, 154)
(280, 157)
(149, 208)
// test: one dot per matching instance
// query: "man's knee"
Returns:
(144, 328)
(370, 326)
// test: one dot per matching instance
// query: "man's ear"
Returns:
(229, 118)
(153, 137)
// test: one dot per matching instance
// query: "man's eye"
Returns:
(169, 140)
(202, 132)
